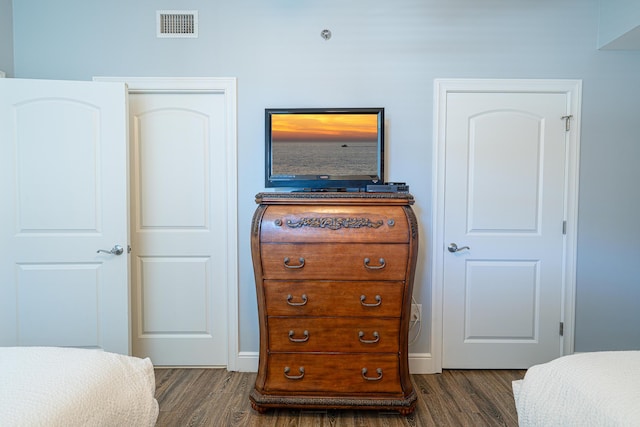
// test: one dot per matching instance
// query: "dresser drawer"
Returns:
(329, 334)
(333, 373)
(334, 224)
(315, 298)
(337, 261)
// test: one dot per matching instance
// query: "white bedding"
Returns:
(584, 389)
(47, 386)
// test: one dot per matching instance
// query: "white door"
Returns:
(504, 208)
(179, 226)
(63, 192)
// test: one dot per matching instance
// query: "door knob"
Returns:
(454, 248)
(116, 250)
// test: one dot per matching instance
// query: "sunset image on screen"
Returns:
(324, 127)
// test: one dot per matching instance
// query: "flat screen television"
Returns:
(319, 149)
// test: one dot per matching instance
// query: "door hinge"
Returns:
(561, 329)
(567, 122)
(564, 227)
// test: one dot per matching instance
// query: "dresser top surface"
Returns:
(335, 198)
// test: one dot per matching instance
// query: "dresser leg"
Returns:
(407, 411)
(258, 409)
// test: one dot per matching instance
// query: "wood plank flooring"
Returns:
(216, 397)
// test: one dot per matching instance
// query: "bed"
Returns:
(69, 387)
(584, 389)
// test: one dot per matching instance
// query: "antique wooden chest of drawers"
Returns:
(334, 279)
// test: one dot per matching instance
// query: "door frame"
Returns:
(227, 86)
(442, 87)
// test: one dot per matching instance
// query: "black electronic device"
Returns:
(324, 149)
(388, 187)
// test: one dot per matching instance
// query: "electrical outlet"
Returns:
(416, 312)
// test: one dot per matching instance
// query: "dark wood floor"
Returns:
(216, 397)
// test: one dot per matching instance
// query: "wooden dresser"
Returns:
(334, 279)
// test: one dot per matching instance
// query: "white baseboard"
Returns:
(247, 361)
(419, 363)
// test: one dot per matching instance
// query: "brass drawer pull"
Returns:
(374, 267)
(363, 298)
(286, 263)
(305, 339)
(295, 377)
(378, 378)
(295, 304)
(376, 337)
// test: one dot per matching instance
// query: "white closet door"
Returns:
(505, 203)
(179, 227)
(63, 192)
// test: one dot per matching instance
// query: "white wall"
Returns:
(384, 53)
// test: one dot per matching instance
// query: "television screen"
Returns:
(340, 148)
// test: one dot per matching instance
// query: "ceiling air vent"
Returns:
(177, 23)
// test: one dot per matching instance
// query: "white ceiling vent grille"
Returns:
(177, 23)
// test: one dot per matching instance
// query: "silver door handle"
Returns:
(116, 250)
(454, 248)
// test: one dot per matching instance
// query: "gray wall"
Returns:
(385, 53)
(619, 26)
(6, 37)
